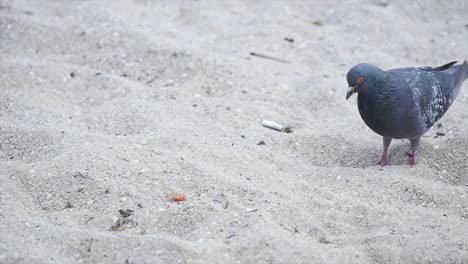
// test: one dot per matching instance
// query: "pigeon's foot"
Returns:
(384, 161)
(412, 158)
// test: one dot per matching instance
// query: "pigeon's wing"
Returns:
(450, 77)
(434, 89)
(431, 91)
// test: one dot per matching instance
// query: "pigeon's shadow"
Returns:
(351, 152)
(347, 153)
(398, 151)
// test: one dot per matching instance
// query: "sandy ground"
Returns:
(119, 104)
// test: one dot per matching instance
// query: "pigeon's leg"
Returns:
(384, 160)
(414, 147)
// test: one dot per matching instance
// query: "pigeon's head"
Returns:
(361, 77)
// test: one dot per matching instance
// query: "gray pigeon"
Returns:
(404, 102)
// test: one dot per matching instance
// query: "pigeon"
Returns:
(404, 103)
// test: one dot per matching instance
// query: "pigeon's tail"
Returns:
(464, 66)
(459, 73)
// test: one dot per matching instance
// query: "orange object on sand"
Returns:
(177, 197)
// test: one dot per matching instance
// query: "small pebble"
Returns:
(169, 82)
(382, 4)
(318, 23)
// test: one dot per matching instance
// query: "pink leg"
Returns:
(412, 158)
(414, 148)
(384, 160)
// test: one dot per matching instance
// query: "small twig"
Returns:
(231, 236)
(79, 174)
(268, 57)
(89, 219)
(275, 126)
(251, 210)
(151, 80)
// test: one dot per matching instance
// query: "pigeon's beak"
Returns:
(351, 91)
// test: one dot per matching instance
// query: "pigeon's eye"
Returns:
(360, 80)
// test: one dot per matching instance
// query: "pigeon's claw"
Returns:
(412, 158)
(384, 160)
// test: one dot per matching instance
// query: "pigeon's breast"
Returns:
(391, 114)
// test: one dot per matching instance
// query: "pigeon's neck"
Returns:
(381, 98)
(378, 104)
(384, 89)
(380, 88)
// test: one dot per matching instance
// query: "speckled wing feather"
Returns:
(434, 98)
(446, 82)
(432, 90)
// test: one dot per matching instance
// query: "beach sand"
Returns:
(110, 105)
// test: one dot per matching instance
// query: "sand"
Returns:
(110, 105)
